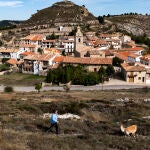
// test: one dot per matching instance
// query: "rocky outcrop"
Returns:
(135, 24)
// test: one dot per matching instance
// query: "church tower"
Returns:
(78, 39)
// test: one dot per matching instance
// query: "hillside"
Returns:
(9, 23)
(24, 123)
(135, 24)
(63, 13)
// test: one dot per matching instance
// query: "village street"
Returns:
(112, 84)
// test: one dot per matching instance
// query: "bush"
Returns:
(8, 89)
(4, 60)
(38, 87)
(4, 67)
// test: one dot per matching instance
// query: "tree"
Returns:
(52, 36)
(8, 89)
(40, 50)
(102, 74)
(38, 87)
(101, 19)
(91, 78)
(110, 70)
(49, 77)
(1, 43)
(117, 61)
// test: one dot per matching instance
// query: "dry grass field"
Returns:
(21, 79)
(22, 126)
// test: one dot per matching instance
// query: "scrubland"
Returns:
(22, 126)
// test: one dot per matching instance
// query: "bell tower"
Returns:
(78, 39)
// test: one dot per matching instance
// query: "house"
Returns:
(127, 56)
(116, 43)
(37, 64)
(90, 64)
(105, 36)
(34, 39)
(52, 51)
(68, 47)
(133, 73)
(133, 57)
(8, 53)
(12, 62)
(102, 44)
(122, 55)
(24, 54)
(82, 52)
(145, 60)
(135, 50)
(125, 38)
(48, 43)
(95, 54)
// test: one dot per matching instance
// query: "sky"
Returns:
(23, 9)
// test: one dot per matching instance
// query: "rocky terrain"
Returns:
(24, 121)
(135, 24)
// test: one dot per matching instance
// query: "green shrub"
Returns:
(38, 87)
(8, 89)
(4, 60)
(4, 67)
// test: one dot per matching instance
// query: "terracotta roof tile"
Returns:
(43, 57)
(12, 61)
(58, 59)
(132, 68)
(27, 53)
(8, 50)
(33, 37)
(87, 60)
(133, 49)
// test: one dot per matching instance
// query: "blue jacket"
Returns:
(54, 118)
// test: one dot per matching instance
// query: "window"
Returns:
(139, 78)
(79, 40)
(95, 69)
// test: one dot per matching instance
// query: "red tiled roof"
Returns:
(58, 59)
(90, 61)
(133, 49)
(8, 50)
(53, 50)
(133, 55)
(124, 55)
(12, 61)
(86, 60)
(43, 57)
(34, 37)
(132, 68)
(26, 53)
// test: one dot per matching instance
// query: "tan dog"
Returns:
(129, 130)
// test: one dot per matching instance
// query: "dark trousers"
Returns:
(56, 127)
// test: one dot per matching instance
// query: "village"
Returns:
(37, 53)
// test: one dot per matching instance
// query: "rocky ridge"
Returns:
(134, 24)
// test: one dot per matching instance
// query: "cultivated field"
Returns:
(22, 126)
